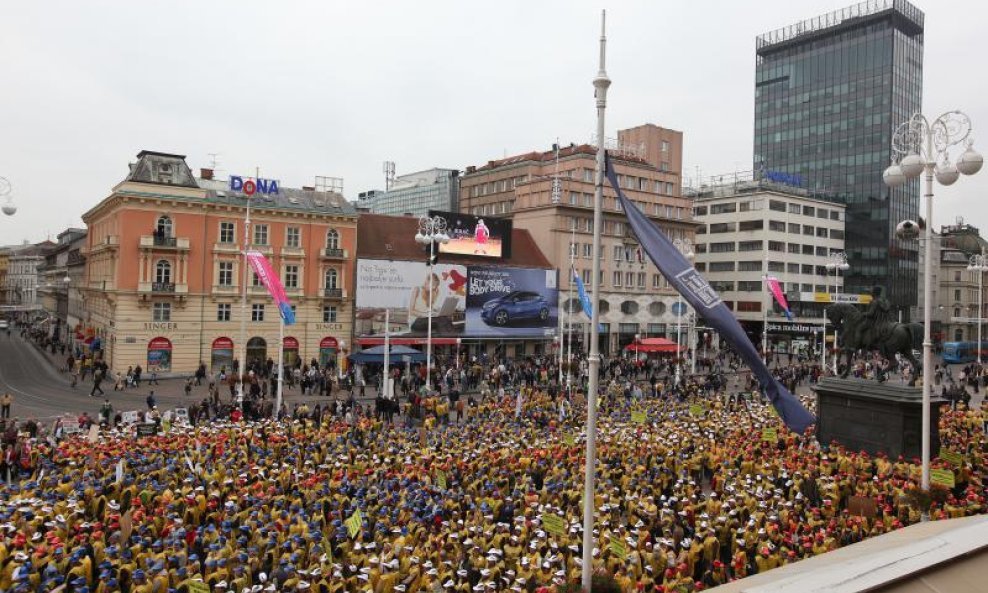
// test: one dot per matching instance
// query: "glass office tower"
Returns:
(829, 93)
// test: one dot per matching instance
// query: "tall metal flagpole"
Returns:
(386, 375)
(569, 311)
(600, 84)
(243, 301)
(281, 363)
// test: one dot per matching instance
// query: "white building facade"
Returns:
(756, 228)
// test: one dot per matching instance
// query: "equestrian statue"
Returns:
(873, 329)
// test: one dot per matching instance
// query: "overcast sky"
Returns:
(335, 88)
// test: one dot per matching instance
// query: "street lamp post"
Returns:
(979, 263)
(432, 230)
(685, 247)
(923, 147)
(8, 208)
(837, 262)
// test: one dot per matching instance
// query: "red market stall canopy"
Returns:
(660, 345)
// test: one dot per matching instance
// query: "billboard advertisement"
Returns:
(511, 302)
(476, 235)
(467, 301)
(403, 288)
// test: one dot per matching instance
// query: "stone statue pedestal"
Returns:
(875, 417)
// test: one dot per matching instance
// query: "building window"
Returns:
(749, 307)
(257, 312)
(618, 253)
(751, 225)
(725, 208)
(291, 276)
(588, 250)
(329, 314)
(656, 281)
(260, 234)
(836, 234)
(665, 146)
(750, 245)
(223, 312)
(163, 272)
(226, 273)
(749, 285)
(617, 279)
(227, 232)
(586, 277)
(957, 294)
(293, 237)
(777, 225)
(161, 312)
(641, 279)
(750, 266)
(722, 266)
(957, 276)
(808, 229)
(164, 227)
(332, 279)
(332, 239)
(795, 209)
(629, 279)
(793, 228)
(725, 247)
(809, 211)
(776, 206)
(723, 227)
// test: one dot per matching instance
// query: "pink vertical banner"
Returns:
(776, 289)
(270, 280)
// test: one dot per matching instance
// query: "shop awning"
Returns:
(660, 345)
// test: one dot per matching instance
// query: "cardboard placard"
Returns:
(554, 524)
(770, 435)
(126, 525)
(696, 410)
(569, 440)
(942, 477)
(639, 417)
(862, 506)
(147, 429)
(955, 459)
(618, 548)
(197, 587)
(353, 524)
(70, 425)
(441, 480)
(181, 415)
(132, 417)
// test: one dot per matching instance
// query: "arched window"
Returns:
(163, 272)
(164, 226)
(332, 278)
(332, 239)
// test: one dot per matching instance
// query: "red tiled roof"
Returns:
(393, 237)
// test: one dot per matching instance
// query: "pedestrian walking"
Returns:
(151, 401)
(97, 380)
(5, 402)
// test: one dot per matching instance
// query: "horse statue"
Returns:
(857, 332)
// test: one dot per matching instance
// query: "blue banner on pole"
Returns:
(705, 300)
(584, 298)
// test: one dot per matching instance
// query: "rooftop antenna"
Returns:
(389, 174)
(214, 162)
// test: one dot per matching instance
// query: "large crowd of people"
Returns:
(697, 486)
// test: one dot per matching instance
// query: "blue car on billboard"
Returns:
(515, 306)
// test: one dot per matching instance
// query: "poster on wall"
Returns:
(404, 288)
(512, 302)
(482, 236)
(221, 357)
(160, 355)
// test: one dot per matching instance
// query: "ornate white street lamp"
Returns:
(924, 148)
(432, 231)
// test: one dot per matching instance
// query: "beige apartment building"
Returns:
(550, 194)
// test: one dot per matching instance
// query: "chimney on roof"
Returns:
(471, 169)
(205, 173)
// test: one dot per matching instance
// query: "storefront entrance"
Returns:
(257, 351)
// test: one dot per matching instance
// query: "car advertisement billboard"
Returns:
(403, 287)
(511, 302)
(482, 236)
(467, 301)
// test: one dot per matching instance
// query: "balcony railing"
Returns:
(333, 293)
(149, 241)
(162, 287)
(333, 253)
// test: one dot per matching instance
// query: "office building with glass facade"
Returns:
(417, 193)
(829, 93)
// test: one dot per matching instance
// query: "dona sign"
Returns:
(250, 185)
